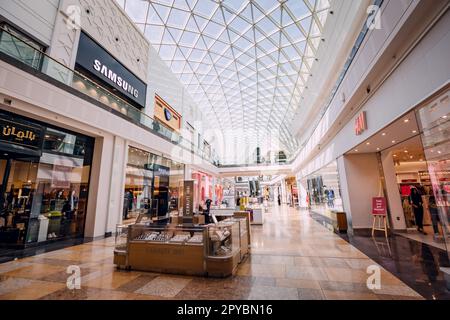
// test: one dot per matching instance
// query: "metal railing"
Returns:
(25, 54)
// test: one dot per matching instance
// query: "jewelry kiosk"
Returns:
(209, 250)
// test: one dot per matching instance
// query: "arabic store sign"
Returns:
(21, 134)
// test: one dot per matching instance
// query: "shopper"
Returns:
(434, 212)
(415, 200)
(279, 200)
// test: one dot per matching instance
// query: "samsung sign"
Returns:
(94, 59)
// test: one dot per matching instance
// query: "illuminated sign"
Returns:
(360, 123)
(21, 134)
(92, 58)
(164, 113)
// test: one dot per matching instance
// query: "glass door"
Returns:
(18, 178)
(434, 119)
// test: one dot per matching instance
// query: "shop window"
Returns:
(434, 122)
(323, 191)
(152, 185)
(43, 197)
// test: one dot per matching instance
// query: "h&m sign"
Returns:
(360, 123)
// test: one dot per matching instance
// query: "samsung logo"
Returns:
(111, 75)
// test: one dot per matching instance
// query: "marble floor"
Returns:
(293, 257)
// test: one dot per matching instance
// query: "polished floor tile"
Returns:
(293, 257)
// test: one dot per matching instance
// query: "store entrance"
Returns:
(416, 192)
(18, 185)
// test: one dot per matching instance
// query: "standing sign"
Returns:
(379, 206)
(188, 199)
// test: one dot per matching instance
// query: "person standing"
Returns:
(279, 199)
(415, 200)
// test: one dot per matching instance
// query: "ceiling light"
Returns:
(406, 120)
(368, 143)
(406, 151)
(393, 141)
(414, 131)
(439, 152)
(444, 117)
(383, 134)
(410, 157)
(378, 149)
(395, 155)
(356, 150)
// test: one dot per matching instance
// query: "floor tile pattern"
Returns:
(293, 257)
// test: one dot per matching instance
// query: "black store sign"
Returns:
(94, 59)
(21, 133)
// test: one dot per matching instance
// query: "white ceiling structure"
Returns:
(245, 62)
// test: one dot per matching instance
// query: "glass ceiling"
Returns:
(245, 62)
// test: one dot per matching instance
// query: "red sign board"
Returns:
(360, 123)
(379, 206)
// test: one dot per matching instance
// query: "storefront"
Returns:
(44, 172)
(321, 191)
(411, 159)
(203, 187)
(152, 185)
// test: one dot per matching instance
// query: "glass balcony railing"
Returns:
(26, 54)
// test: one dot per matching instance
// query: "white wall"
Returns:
(37, 18)
(424, 71)
(361, 173)
(105, 22)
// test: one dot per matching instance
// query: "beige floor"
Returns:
(293, 257)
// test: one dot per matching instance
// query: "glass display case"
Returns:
(121, 246)
(223, 238)
(168, 234)
(167, 249)
(213, 249)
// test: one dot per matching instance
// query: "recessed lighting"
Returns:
(414, 131)
(378, 149)
(439, 152)
(356, 150)
(383, 134)
(444, 117)
(47, 136)
(395, 155)
(406, 120)
(393, 141)
(410, 157)
(368, 143)
(406, 151)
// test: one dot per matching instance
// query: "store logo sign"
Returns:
(20, 134)
(95, 60)
(360, 123)
(117, 79)
(167, 114)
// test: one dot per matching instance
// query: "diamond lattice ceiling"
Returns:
(245, 62)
